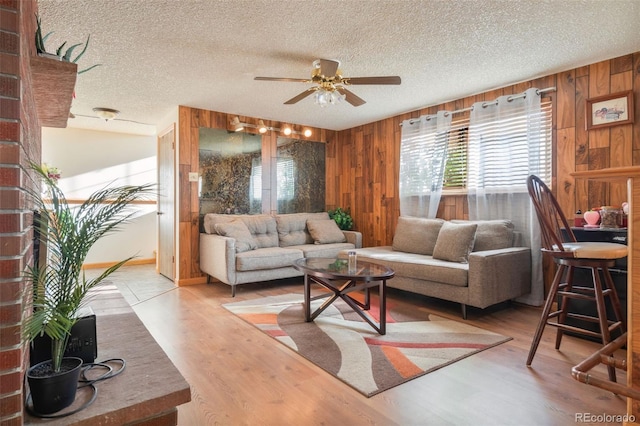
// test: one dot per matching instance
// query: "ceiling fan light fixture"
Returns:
(106, 113)
(337, 97)
(328, 88)
(322, 98)
(237, 125)
(261, 127)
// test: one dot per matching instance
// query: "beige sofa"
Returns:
(240, 249)
(472, 263)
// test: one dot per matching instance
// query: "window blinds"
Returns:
(505, 150)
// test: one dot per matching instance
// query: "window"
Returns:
(512, 130)
(286, 178)
(256, 180)
(507, 146)
(455, 169)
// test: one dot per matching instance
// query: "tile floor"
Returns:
(146, 285)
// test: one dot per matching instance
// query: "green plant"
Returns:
(337, 265)
(59, 285)
(342, 218)
(64, 55)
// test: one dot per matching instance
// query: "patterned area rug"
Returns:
(340, 342)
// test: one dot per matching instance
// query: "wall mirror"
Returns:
(226, 161)
(300, 186)
(240, 173)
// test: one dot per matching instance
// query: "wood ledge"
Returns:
(609, 173)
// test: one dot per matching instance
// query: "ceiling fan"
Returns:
(330, 84)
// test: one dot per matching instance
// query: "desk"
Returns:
(150, 388)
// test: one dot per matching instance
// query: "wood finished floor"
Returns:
(240, 376)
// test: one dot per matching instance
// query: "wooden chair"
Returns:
(568, 255)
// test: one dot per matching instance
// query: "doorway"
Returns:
(166, 264)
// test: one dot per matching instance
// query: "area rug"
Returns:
(340, 342)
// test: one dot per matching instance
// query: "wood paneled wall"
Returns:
(362, 162)
(190, 120)
(579, 149)
(366, 161)
(362, 167)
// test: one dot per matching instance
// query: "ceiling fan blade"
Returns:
(301, 96)
(392, 79)
(351, 97)
(296, 80)
(328, 68)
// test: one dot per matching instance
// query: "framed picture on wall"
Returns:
(610, 110)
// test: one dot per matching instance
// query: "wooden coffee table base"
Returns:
(340, 288)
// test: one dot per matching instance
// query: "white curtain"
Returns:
(423, 155)
(506, 145)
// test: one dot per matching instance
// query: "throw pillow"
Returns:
(210, 220)
(325, 231)
(292, 228)
(492, 234)
(416, 235)
(239, 231)
(455, 242)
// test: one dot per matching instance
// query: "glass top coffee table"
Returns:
(334, 275)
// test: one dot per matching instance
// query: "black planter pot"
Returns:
(52, 392)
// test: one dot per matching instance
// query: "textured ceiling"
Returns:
(158, 54)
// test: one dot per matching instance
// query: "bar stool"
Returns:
(569, 255)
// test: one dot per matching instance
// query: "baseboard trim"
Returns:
(132, 262)
(192, 281)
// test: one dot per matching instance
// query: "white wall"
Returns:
(90, 160)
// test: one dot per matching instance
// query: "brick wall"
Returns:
(19, 143)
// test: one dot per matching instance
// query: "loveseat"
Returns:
(473, 263)
(240, 249)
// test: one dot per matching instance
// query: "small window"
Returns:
(286, 179)
(455, 169)
(256, 180)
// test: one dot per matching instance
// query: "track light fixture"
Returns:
(262, 128)
(237, 125)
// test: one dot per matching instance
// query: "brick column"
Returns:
(19, 143)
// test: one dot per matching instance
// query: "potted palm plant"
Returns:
(60, 287)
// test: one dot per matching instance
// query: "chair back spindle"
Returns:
(550, 216)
